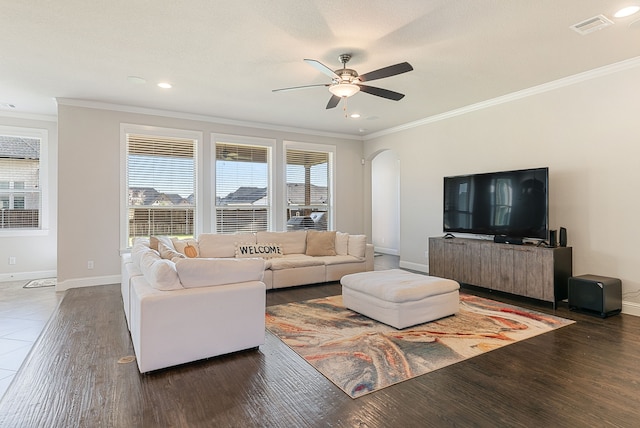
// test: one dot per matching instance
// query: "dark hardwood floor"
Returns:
(586, 374)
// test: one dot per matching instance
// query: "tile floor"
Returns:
(23, 314)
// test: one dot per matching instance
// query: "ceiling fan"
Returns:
(346, 82)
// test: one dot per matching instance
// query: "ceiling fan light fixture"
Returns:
(344, 90)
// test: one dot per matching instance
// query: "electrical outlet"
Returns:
(90, 264)
(12, 260)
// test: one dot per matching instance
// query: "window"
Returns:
(308, 188)
(160, 185)
(20, 178)
(242, 184)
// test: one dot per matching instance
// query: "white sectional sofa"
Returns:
(305, 257)
(182, 308)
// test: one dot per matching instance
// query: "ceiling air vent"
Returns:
(592, 24)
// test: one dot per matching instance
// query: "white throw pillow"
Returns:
(184, 246)
(159, 273)
(138, 250)
(203, 272)
(357, 245)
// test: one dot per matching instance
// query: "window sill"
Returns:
(10, 233)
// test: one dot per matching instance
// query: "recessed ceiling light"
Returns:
(626, 11)
(355, 115)
(165, 85)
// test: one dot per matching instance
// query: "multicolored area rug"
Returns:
(361, 355)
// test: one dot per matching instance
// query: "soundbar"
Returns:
(501, 239)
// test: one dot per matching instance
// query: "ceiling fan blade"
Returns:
(333, 101)
(299, 87)
(322, 68)
(389, 71)
(384, 93)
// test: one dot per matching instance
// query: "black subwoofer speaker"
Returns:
(563, 237)
(599, 295)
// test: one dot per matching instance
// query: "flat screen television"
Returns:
(514, 204)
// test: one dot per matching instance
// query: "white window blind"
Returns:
(20, 189)
(308, 198)
(161, 185)
(243, 201)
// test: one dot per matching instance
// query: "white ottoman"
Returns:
(400, 298)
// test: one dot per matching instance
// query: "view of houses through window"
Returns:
(20, 190)
(161, 186)
(243, 201)
(161, 182)
(307, 189)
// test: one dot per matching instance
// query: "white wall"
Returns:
(89, 184)
(35, 252)
(385, 202)
(585, 132)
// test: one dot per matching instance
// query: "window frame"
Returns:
(270, 145)
(129, 128)
(330, 150)
(43, 180)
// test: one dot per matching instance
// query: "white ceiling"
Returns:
(225, 57)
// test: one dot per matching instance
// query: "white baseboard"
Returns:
(27, 276)
(631, 308)
(414, 266)
(87, 282)
(390, 251)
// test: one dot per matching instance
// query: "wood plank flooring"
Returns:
(586, 374)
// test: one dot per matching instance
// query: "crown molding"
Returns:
(535, 90)
(29, 116)
(202, 118)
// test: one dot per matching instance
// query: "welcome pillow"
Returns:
(266, 251)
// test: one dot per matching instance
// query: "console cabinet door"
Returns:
(437, 259)
(502, 269)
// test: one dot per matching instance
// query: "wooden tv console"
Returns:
(526, 270)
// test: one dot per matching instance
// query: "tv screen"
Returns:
(509, 203)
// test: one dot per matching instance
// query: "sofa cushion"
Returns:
(159, 273)
(206, 272)
(357, 245)
(342, 243)
(338, 260)
(266, 251)
(169, 253)
(214, 245)
(188, 247)
(293, 242)
(321, 243)
(293, 261)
